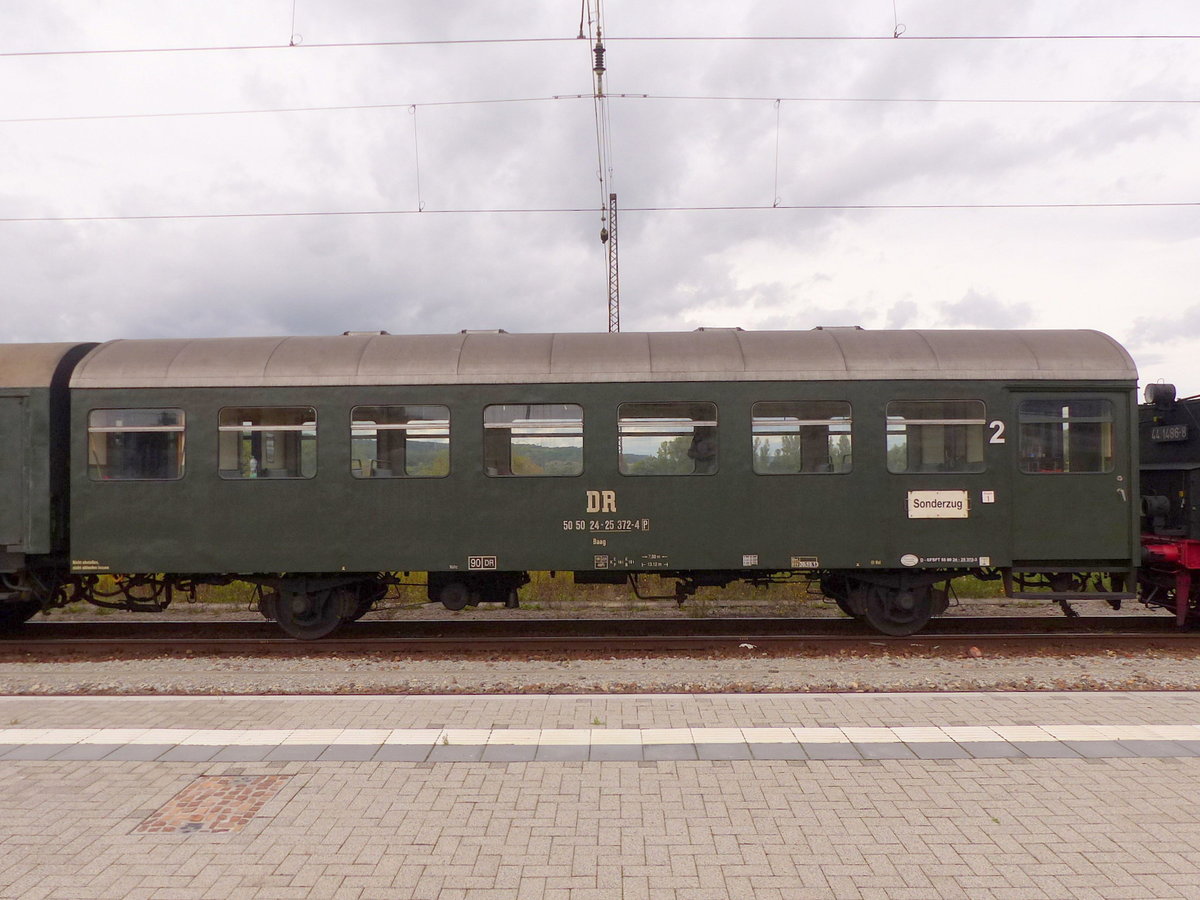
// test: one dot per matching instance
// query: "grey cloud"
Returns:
(902, 314)
(980, 310)
(1165, 329)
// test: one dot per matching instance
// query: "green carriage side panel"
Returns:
(33, 447)
(14, 479)
(600, 519)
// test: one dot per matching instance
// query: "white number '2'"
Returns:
(998, 432)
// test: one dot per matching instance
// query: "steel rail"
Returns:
(587, 635)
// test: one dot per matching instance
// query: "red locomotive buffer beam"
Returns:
(1171, 564)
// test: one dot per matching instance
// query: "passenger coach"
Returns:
(879, 464)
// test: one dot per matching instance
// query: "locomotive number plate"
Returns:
(1165, 433)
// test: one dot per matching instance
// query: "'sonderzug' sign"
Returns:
(938, 505)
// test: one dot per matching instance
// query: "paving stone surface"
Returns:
(523, 711)
(571, 828)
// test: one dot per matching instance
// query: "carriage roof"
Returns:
(834, 354)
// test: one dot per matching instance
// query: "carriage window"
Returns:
(667, 438)
(935, 435)
(533, 439)
(267, 442)
(801, 437)
(1066, 435)
(400, 441)
(135, 444)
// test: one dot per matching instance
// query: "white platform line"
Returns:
(245, 737)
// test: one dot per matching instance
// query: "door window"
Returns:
(1068, 435)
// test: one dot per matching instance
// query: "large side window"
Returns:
(801, 437)
(533, 439)
(267, 442)
(400, 441)
(135, 444)
(674, 438)
(1066, 435)
(935, 435)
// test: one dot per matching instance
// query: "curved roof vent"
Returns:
(838, 328)
(483, 331)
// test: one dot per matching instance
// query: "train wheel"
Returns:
(309, 615)
(898, 612)
(454, 595)
(845, 607)
(837, 589)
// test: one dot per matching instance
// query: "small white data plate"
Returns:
(938, 505)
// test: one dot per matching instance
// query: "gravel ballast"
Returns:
(743, 670)
(877, 666)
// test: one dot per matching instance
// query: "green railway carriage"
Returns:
(879, 463)
(33, 469)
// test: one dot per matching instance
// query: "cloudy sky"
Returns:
(896, 183)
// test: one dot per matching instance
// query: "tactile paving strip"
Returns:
(214, 804)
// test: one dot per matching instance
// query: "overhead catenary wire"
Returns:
(748, 207)
(292, 36)
(596, 54)
(349, 107)
(417, 158)
(891, 38)
(604, 159)
(835, 99)
(603, 121)
(775, 191)
(697, 38)
(353, 107)
(600, 105)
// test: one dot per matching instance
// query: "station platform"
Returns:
(1004, 795)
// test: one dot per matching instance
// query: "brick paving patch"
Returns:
(214, 804)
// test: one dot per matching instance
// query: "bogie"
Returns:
(313, 608)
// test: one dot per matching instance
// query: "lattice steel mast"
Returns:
(614, 290)
(608, 196)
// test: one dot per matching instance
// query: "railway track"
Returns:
(590, 636)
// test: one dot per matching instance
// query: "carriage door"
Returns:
(1073, 487)
(13, 487)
